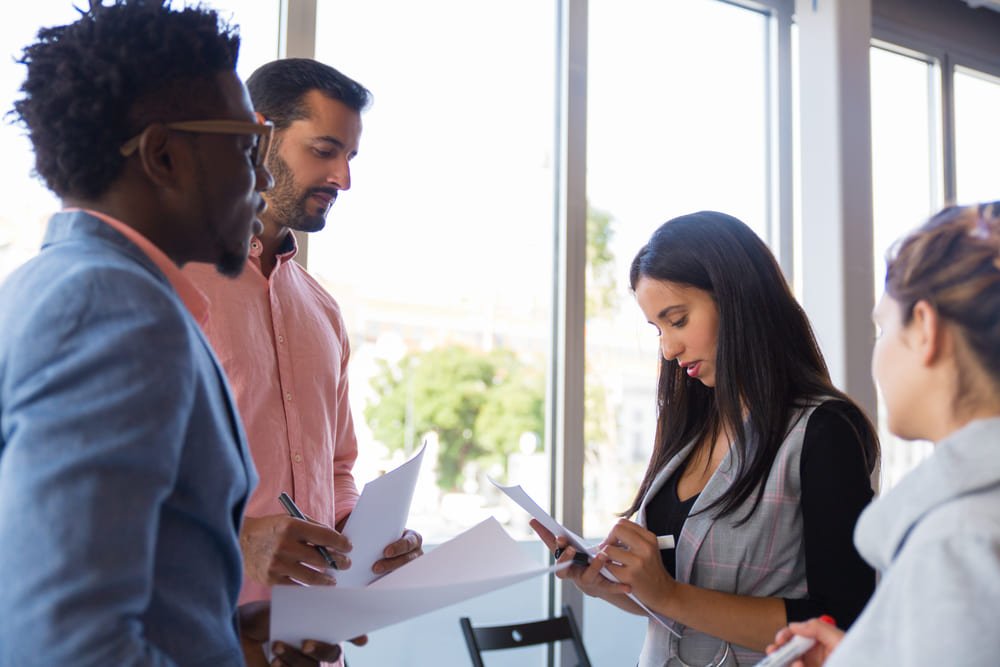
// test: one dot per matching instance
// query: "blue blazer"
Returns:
(123, 466)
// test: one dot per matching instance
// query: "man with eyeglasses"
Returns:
(124, 470)
(283, 342)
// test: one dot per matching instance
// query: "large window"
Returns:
(909, 153)
(441, 253)
(440, 256)
(977, 136)
(906, 176)
(693, 138)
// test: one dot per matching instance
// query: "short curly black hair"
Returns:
(96, 82)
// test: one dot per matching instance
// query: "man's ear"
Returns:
(926, 331)
(157, 156)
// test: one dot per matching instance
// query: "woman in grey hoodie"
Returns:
(935, 537)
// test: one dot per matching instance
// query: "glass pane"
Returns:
(259, 24)
(688, 133)
(23, 219)
(905, 171)
(691, 137)
(977, 136)
(441, 258)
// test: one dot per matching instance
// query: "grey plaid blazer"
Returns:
(763, 557)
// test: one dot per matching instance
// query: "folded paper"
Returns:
(482, 559)
(518, 495)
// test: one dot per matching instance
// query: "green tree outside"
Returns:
(478, 403)
(481, 403)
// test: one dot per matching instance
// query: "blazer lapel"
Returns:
(660, 479)
(697, 525)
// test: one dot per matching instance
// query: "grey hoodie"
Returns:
(935, 539)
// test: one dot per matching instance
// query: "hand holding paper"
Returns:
(400, 552)
(517, 494)
(482, 559)
(378, 520)
(587, 575)
(479, 560)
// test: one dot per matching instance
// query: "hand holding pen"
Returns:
(587, 577)
(579, 558)
(809, 643)
(294, 511)
(635, 557)
(278, 549)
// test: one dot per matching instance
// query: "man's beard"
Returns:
(228, 262)
(286, 204)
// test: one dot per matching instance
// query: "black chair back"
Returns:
(498, 637)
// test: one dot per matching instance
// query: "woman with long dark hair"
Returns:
(760, 466)
(934, 537)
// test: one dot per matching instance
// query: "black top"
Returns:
(666, 513)
(835, 489)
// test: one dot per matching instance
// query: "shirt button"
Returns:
(298, 458)
(281, 339)
(288, 396)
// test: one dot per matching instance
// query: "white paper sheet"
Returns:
(482, 559)
(377, 520)
(518, 495)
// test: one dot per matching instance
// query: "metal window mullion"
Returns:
(780, 150)
(949, 166)
(568, 352)
(935, 176)
(297, 39)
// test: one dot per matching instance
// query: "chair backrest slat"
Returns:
(498, 637)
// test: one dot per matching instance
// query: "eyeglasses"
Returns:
(262, 131)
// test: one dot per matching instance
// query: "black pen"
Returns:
(579, 557)
(294, 511)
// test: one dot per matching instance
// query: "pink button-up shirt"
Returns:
(283, 344)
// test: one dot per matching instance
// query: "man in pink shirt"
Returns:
(283, 343)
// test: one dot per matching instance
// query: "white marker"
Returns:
(795, 648)
(665, 542)
(788, 653)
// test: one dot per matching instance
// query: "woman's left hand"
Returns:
(634, 557)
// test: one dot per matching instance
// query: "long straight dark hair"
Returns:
(767, 359)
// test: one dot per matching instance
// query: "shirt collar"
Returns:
(289, 248)
(193, 299)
